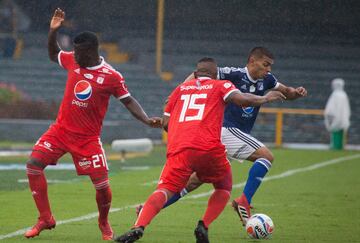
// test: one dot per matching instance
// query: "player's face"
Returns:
(261, 66)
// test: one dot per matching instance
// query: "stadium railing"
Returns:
(279, 113)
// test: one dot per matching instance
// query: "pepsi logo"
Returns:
(82, 90)
(248, 110)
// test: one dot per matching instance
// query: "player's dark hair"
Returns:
(204, 69)
(207, 59)
(86, 38)
(259, 52)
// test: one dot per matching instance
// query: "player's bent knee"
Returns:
(32, 162)
(225, 183)
(265, 153)
(270, 157)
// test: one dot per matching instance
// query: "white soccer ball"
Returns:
(259, 226)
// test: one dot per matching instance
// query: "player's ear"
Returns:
(251, 59)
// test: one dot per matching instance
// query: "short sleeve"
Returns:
(271, 81)
(228, 73)
(120, 90)
(66, 59)
(171, 102)
(227, 88)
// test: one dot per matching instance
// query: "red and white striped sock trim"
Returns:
(31, 171)
(163, 192)
(102, 185)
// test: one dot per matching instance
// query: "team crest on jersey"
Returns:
(82, 90)
(88, 76)
(227, 85)
(260, 86)
(248, 110)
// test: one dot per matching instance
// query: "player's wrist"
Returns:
(266, 99)
(52, 29)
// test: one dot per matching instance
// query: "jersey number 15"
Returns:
(190, 104)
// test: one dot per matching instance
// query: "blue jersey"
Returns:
(244, 117)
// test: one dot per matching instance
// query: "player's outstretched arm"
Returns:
(55, 24)
(246, 99)
(137, 111)
(165, 122)
(292, 93)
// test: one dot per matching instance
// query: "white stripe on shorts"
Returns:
(239, 145)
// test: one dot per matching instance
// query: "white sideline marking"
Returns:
(135, 168)
(150, 183)
(285, 174)
(50, 181)
(274, 177)
(81, 218)
(14, 153)
(64, 166)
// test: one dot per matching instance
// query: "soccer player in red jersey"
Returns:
(193, 117)
(91, 82)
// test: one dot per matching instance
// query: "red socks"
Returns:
(103, 196)
(103, 200)
(152, 207)
(216, 205)
(38, 187)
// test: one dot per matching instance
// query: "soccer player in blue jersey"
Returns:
(255, 78)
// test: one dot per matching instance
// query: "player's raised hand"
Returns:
(155, 122)
(274, 96)
(301, 91)
(57, 19)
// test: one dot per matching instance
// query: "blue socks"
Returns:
(176, 197)
(256, 173)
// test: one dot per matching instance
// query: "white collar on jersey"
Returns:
(97, 66)
(248, 74)
(203, 78)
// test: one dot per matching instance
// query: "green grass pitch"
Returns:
(312, 196)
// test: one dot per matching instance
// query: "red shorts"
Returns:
(87, 152)
(210, 167)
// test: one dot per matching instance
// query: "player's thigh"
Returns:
(175, 173)
(89, 157)
(239, 145)
(210, 166)
(193, 182)
(47, 150)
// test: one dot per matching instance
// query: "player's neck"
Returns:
(251, 73)
(94, 62)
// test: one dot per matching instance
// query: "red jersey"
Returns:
(196, 110)
(87, 94)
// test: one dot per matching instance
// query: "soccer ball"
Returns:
(259, 226)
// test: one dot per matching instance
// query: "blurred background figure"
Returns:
(67, 34)
(337, 114)
(7, 28)
(12, 20)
